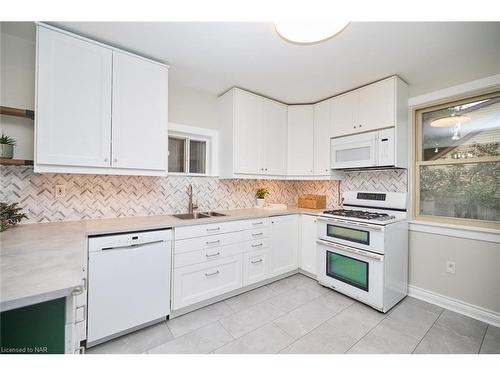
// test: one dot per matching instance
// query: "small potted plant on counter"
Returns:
(7, 146)
(10, 215)
(260, 194)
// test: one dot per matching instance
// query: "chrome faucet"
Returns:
(191, 206)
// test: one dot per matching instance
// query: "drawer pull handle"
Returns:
(213, 229)
(212, 242)
(258, 245)
(257, 234)
(212, 255)
(258, 223)
(212, 274)
(256, 261)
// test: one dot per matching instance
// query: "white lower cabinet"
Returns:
(255, 266)
(199, 282)
(284, 246)
(249, 251)
(308, 236)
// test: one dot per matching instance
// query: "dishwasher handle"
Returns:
(131, 246)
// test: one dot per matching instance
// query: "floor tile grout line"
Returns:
(376, 325)
(484, 336)
(307, 333)
(227, 343)
(426, 332)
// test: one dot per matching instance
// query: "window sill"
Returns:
(459, 231)
(179, 174)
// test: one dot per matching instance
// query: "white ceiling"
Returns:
(218, 55)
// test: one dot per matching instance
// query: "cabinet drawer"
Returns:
(257, 223)
(207, 229)
(255, 266)
(259, 244)
(207, 255)
(199, 282)
(257, 233)
(207, 242)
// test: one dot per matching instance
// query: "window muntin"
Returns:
(187, 155)
(457, 170)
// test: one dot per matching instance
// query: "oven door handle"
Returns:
(351, 250)
(351, 223)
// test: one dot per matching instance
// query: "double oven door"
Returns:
(350, 260)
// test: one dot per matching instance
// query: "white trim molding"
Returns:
(449, 92)
(460, 231)
(461, 307)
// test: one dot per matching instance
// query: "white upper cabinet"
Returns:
(247, 133)
(274, 134)
(300, 140)
(73, 109)
(98, 110)
(372, 107)
(253, 135)
(140, 120)
(322, 138)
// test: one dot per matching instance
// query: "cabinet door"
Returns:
(284, 245)
(247, 133)
(377, 106)
(73, 94)
(274, 134)
(300, 140)
(255, 266)
(322, 138)
(308, 236)
(140, 121)
(343, 114)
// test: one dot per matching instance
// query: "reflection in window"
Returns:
(197, 156)
(458, 166)
(470, 130)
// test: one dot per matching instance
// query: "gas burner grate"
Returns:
(358, 214)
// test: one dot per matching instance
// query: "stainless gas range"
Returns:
(363, 248)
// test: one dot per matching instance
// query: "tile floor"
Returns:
(297, 315)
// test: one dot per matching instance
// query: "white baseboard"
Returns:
(473, 311)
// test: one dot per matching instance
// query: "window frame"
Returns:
(188, 133)
(418, 161)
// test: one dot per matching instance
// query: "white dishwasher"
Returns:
(128, 282)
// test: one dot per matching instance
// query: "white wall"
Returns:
(186, 105)
(17, 76)
(477, 280)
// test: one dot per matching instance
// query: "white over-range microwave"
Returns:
(363, 150)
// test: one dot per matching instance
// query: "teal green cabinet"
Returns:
(35, 329)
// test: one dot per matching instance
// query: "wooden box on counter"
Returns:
(312, 201)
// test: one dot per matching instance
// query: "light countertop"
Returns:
(41, 262)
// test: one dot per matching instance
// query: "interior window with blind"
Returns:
(187, 155)
(458, 162)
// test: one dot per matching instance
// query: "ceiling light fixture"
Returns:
(309, 32)
(449, 121)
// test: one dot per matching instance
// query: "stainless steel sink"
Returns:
(198, 215)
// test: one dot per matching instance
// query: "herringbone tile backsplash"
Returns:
(105, 196)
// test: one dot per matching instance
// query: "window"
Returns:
(187, 155)
(457, 170)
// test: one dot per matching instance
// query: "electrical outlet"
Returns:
(60, 191)
(450, 267)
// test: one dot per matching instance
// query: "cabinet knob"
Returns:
(354, 126)
(359, 125)
(105, 160)
(266, 169)
(115, 160)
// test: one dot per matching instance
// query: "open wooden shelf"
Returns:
(4, 161)
(18, 112)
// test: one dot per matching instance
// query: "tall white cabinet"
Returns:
(73, 109)
(300, 140)
(98, 109)
(253, 136)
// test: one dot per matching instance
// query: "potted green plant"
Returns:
(7, 146)
(260, 194)
(10, 215)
